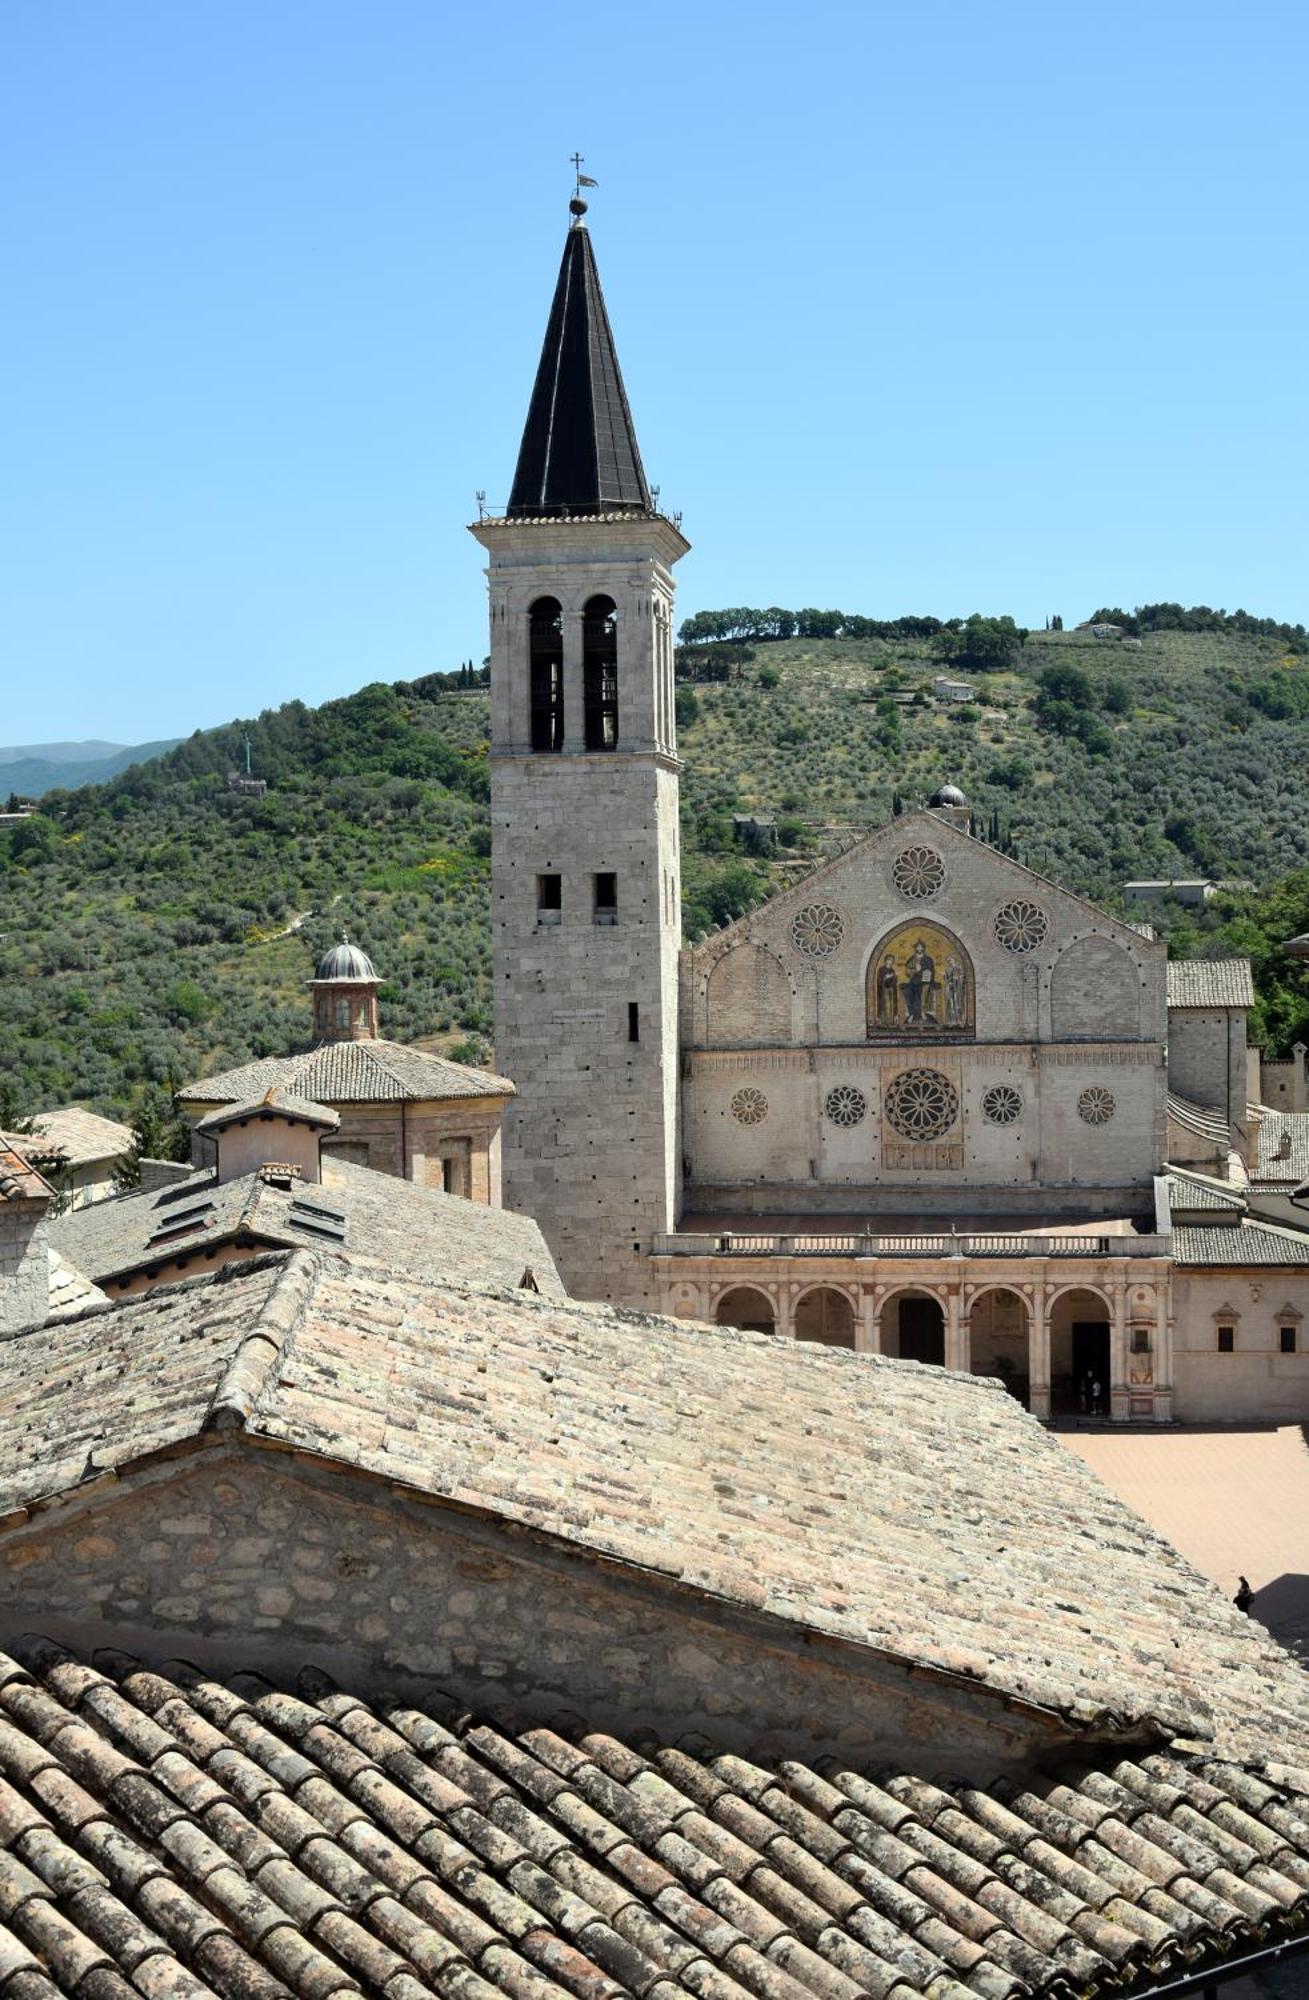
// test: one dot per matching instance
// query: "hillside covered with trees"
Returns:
(162, 925)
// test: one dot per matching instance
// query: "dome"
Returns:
(346, 961)
(948, 795)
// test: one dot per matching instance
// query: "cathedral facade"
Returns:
(917, 1104)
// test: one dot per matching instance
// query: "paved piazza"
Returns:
(1233, 1501)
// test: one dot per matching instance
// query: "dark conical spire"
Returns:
(579, 453)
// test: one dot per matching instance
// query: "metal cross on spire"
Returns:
(582, 180)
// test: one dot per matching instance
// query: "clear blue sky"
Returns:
(933, 307)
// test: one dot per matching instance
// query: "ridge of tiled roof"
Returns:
(274, 1103)
(910, 1514)
(172, 1836)
(370, 1072)
(1210, 982)
(18, 1180)
(1253, 1243)
(370, 1217)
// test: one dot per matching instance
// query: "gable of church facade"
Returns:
(924, 1011)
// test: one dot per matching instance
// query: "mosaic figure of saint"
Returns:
(888, 994)
(920, 988)
(956, 992)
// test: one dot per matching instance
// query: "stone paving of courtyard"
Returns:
(1232, 1500)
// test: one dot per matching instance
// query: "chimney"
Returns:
(277, 1130)
(24, 1251)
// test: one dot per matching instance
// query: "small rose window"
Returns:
(1096, 1105)
(1002, 1105)
(817, 930)
(846, 1105)
(749, 1106)
(918, 873)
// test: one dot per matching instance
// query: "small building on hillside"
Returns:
(78, 1149)
(946, 689)
(400, 1110)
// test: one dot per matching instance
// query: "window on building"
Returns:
(1287, 1336)
(600, 673)
(549, 899)
(545, 646)
(343, 1013)
(605, 906)
(1140, 1340)
(633, 1022)
(1226, 1339)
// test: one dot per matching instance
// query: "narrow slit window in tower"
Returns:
(600, 673)
(606, 899)
(546, 669)
(549, 898)
(633, 1021)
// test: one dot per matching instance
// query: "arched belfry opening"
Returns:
(600, 673)
(545, 648)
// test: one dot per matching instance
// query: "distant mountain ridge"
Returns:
(33, 769)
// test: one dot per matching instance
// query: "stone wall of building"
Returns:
(451, 1143)
(242, 1552)
(1256, 1381)
(24, 1265)
(1207, 1059)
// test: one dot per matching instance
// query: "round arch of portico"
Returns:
(1021, 1289)
(848, 1295)
(1060, 1291)
(914, 1287)
(769, 1293)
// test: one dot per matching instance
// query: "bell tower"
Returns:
(586, 905)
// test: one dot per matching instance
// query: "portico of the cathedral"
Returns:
(919, 1104)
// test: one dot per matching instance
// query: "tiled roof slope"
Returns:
(80, 1137)
(1253, 1243)
(1189, 1196)
(914, 1512)
(367, 1214)
(351, 1073)
(1210, 982)
(18, 1181)
(170, 1837)
(1283, 1148)
(282, 1103)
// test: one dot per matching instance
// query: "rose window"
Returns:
(846, 1105)
(817, 929)
(918, 873)
(1021, 926)
(749, 1106)
(921, 1104)
(1096, 1105)
(1002, 1105)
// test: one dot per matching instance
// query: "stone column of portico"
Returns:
(1165, 1327)
(956, 1332)
(1038, 1353)
(867, 1338)
(785, 1322)
(1119, 1365)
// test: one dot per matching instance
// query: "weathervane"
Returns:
(577, 207)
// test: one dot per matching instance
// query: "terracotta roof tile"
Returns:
(371, 1072)
(1122, 1871)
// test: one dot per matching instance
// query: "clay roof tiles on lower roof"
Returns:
(374, 1072)
(78, 1136)
(371, 1216)
(1210, 982)
(1253, 1243)
(164, 1836)
(906, 1512)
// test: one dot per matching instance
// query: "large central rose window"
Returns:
(921, 1104)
